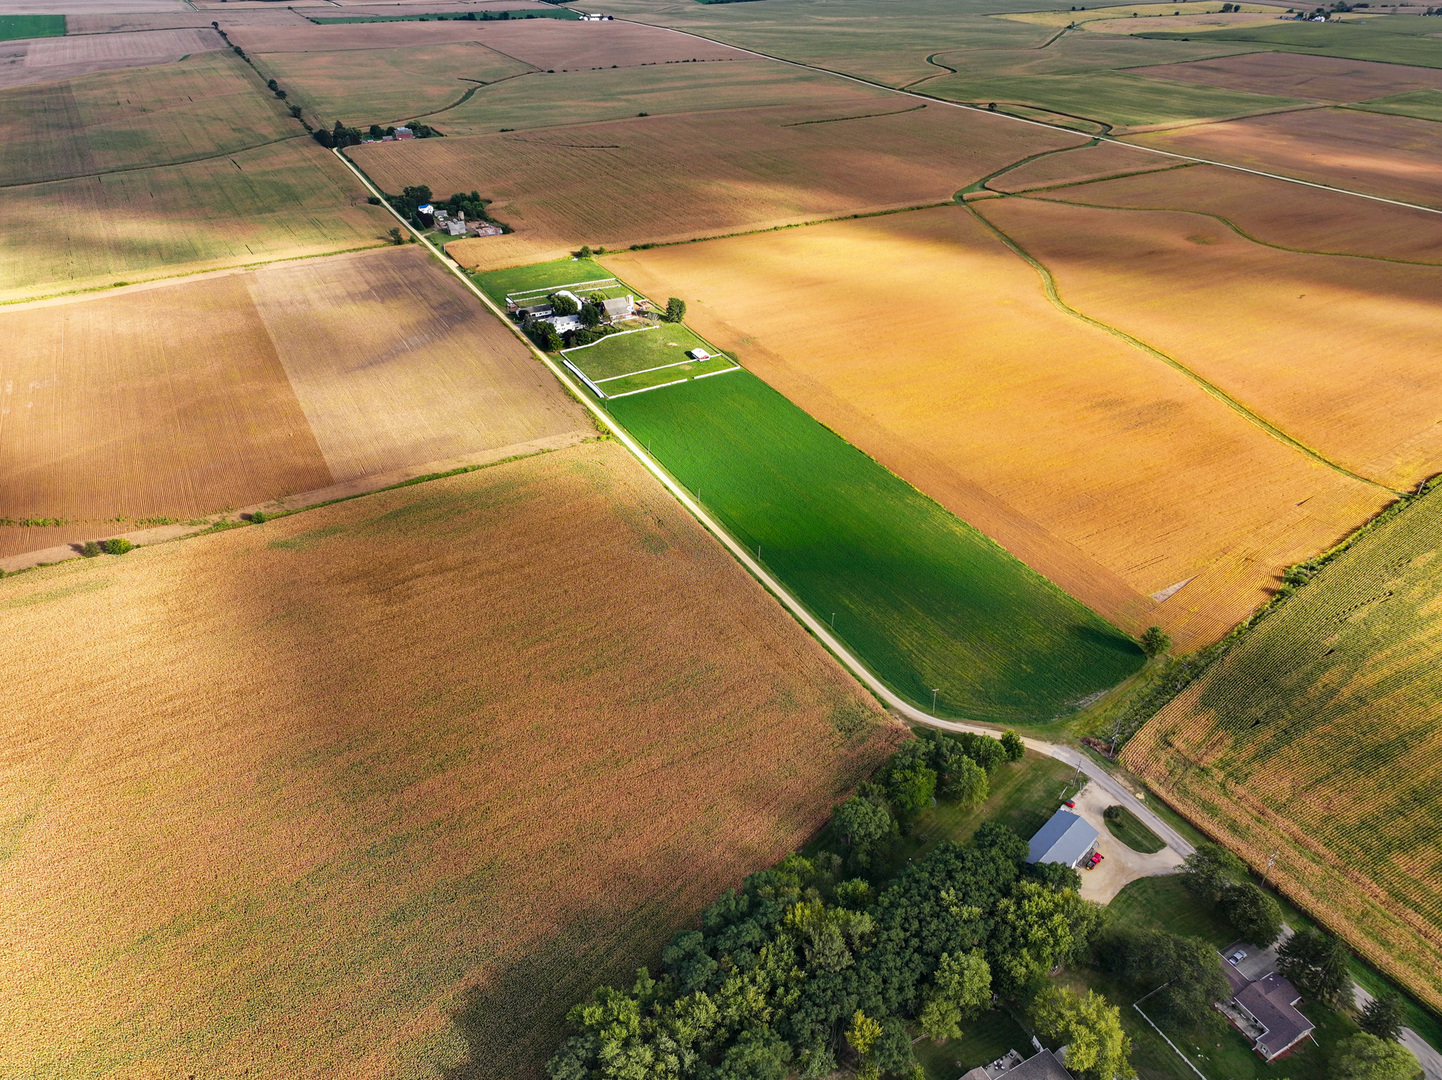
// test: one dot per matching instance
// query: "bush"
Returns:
(117, 546)
(1112, 813)
(260, 517)
(1155, 641)
(90, 549)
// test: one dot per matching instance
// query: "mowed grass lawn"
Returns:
(924, 599)
(625, 363)
(19, 27)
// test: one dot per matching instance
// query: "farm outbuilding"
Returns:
(698, 354)
(1065, 839)
(620, 307)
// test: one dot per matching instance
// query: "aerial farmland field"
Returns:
(182, 400)
(1344, 355)
(395, 781)
(49, 58)
(666, 178)
(1316, 738)
(202, 107)
(923, 598)
(1081, 455)
(285, 200)
(1314, 78)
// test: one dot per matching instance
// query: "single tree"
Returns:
(1209, 870)
(960, 989)
(1155, 641)
(966, 784)
(1316, 963)
(675, 310)
(863, 825)
(592, 315)
(395, 236)
(1382, 1016)
(1012, 744)
(1257, 917)
(1366, 1057)
(1091, 1030)
(910, 787)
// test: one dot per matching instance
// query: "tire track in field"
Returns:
(1049, 287)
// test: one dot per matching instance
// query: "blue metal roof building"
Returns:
(1065, 839)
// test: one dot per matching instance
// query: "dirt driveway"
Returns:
(1121, 865)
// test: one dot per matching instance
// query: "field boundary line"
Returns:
(1050, 127)
(152, 165)
(618, 333)
(582, 376)
(818, 629)
(1049, 287)
(1163, 1034)
(548, 290)
(648, 389)
(647, 371)
(723, 371)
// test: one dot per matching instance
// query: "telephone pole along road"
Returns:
(823, 633)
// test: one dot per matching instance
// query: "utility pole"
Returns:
(1272, 858)
(934, 691)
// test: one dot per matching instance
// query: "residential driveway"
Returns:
(1120, 865)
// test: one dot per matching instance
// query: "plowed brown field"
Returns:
(676, 177)
(1081, 165)
(1344, 355)
(1275, 212)
(382, 789)
(1108, 472)
(285, 200)
(183, 400)
(1392, 156)
(1297, 75)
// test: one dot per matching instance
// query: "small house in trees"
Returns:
(1065, 839)
(1042, 1065)
(1266, 1012)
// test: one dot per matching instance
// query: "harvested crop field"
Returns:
(676, 177)
(395, 363)
(1292, 216)
(1104, 470)
(286, 200)
(47, 59)
(432, 775)
(167, 402)
(1392, 156)
(1082, 165)
(1342, 354)
(178, 401)
(1317, 738)
(1297, 75)
(205, 106)
(386, 85)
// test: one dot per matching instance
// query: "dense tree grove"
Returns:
(1316, 963)
(1366, 1057)
(810, 965)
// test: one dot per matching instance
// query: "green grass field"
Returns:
(982, 1041)
(19, 27)
(1418, 104)
(1392, 39)
(631, 362)
(923, 598)
(548, 275)
(1130, 831)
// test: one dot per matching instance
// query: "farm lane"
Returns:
(1071, 756)
(1056, 127)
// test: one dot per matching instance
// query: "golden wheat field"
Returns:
(186, 399)
(1317, 739)
(1391, 156)
(1290, 216)
(666, 178)
(919, 338)
(383, 788)
(1342, 354)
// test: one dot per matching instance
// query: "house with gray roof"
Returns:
(1040, 1066)
(1265, 1011)
(1065, 839)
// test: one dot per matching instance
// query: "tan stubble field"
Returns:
(385, 787)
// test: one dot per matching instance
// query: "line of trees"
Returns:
(823, 961)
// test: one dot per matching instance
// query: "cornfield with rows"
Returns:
(1317, 739)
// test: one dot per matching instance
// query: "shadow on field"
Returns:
(516, 1020)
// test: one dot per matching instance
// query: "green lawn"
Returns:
(983, 1040)
(1163, 903)
(629, 362)
(548, 275)
(18, 27)
(924, 599)
(1131, 832)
